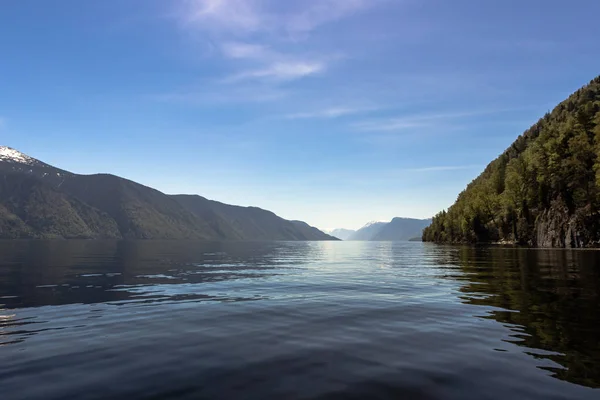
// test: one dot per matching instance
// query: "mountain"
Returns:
(38, 200)
(13, 161)
(139, 211)
(543, 191)
(343, 234)
(31, 208)
(248, 222)
(396, 229)
(368, 231)
(401, 229)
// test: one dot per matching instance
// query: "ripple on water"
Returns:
(296, 320)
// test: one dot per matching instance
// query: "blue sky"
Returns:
(335, 112)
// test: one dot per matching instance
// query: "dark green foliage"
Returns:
(544, 190)
(139, 211)
(30, 208)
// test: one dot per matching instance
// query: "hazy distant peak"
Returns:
(341, 233)
(368, 231)
(374, 223)
(397, 229)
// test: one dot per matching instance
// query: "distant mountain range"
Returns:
(343, 234)
(38, 200)
(396, 229)
(368, 231)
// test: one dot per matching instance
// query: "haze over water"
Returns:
(296, 320)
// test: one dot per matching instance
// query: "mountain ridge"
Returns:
(401, 228)
(398, 229)
(367, 232)
(342, 233)
(38, 200)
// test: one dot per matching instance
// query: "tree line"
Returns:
(554, 166)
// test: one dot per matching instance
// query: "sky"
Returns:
(334, 112)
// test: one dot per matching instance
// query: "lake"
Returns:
(297, 320)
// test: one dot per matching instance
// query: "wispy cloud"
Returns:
(224, 15)
(236, 17)
(370, 178)
(441, 168)
(323, 11)
(272, 65)
(334, 112)
(265, 25)
(279, 71)
(420, 120)
(389, 125)
(242, 50)
(235, 95)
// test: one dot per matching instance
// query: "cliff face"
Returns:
(543, 191)
(557, 227)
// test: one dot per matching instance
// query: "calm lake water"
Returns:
(293, 320)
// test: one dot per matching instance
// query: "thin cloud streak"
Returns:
(419, 121)
(325, 11)
(441, 168)
(389, 125)
(275, 66)
(236, 95)
(280, 71)
(329, 113)
(242, 50)
(405, 176)
(223, 15)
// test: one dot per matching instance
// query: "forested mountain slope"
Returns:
(139, 211)
(544, 190)
(38, 200)
(31, 208)
(243, 223)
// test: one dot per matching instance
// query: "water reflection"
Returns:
(39, 273)
(354, 320)
(549, 298)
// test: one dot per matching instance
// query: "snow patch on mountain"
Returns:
(12, 155)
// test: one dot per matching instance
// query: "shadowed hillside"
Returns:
(38, 200)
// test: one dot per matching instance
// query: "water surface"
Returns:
(296, 320)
